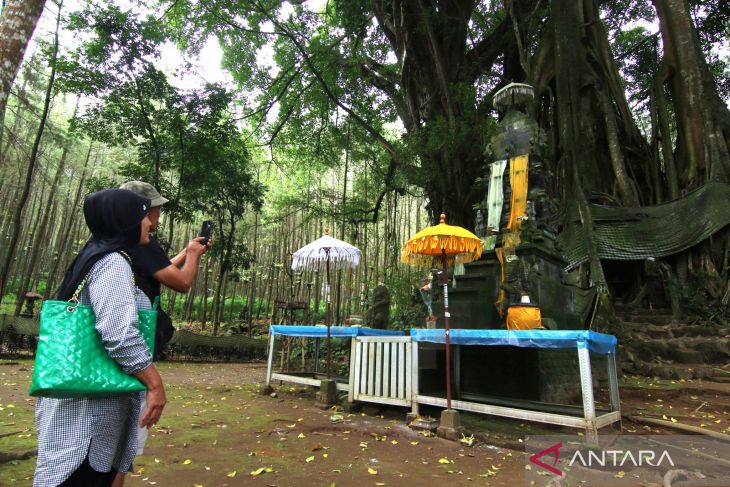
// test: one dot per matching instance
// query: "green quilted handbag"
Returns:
(71, 360)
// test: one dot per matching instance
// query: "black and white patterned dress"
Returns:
(106, 428)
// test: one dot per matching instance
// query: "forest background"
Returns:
(367, 118)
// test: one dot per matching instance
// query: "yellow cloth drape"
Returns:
(523, 318)
(518, 199)
(499, 251)
(517, 209)
(511, 240)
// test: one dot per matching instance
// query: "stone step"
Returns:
(476, 277)
(635, 330)
(479, 264)
(656, 319)
(674, 331)
(466, 291)
(675, 371)
(685, 350)
(701, 331)
(626, 309)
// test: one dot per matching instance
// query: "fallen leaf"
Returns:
(187, 461)
(414, 443)
(258, 471)
(372, 471)
(301, 435)
(395, 442)
(310, 459)
(232, 474)
(444, 461)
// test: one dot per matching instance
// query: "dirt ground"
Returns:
(218, 430)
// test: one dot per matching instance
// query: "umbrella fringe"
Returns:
(427, 251)
(316, 262)
(315, 255)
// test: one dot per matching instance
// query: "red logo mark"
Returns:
(555, 451)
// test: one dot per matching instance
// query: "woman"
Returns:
(85, 442)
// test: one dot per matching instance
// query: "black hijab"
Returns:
(114, 217)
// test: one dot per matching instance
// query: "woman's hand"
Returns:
(156, 401)
(156, 398)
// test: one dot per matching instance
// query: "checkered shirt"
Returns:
(106, 428)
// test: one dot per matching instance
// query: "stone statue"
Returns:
(426, 295)
(378, 312)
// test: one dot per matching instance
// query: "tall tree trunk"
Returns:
(568, 64)
(204, 297)
(703, 119)
(16, 226)
(254, 272)
(670, 167)
(71, 213)
(218, 302)
(17, 24)
(23, 103)
(36, 246)
(343, 203)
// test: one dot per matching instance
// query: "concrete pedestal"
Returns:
(327, 395)
(450, 425)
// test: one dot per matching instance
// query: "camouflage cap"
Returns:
(146, 190)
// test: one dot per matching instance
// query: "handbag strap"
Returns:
(75, 297)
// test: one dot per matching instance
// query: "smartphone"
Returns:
(205, 231)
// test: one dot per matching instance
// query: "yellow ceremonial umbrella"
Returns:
(446, 245)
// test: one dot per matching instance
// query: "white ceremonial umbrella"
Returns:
(512, 94)
(330, 252)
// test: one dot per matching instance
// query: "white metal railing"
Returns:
(384, 370)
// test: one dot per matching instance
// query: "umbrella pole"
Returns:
(328, 317)
(447, 333)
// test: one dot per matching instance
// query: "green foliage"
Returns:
(190, 136)
(97, 183)
(409, 310)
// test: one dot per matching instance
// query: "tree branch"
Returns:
(325, 87)
(390, 88)
(483, 55)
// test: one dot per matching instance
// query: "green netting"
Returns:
(183, 343)
(649, 231)
(19, 325)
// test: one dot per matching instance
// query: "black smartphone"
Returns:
(205, 231)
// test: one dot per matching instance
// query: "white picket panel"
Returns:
(383, 372)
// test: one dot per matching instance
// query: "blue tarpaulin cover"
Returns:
(335, 331)
(595, 342)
